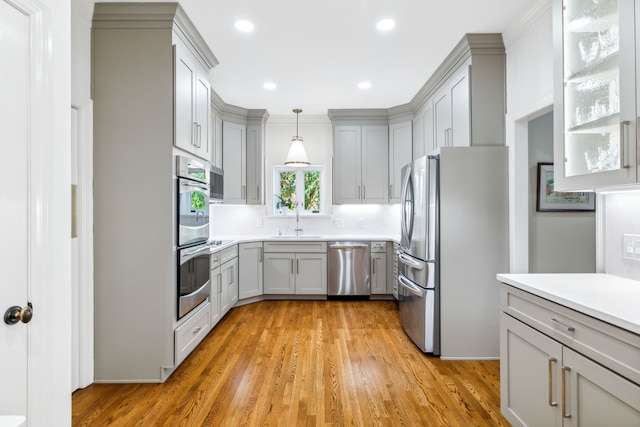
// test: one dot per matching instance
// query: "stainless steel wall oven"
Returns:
(193, 281)
(193, 201)
(193, 277)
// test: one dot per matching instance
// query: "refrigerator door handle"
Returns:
(408, 261)
(413, 289)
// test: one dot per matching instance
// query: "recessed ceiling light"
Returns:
(269, 85)
(364, 85)
(385, 24)
(244, 26)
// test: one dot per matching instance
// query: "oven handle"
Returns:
(201, 187)
(197, 291)
(191, 254)
(415, 290)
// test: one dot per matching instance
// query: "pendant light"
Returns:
(297, 156)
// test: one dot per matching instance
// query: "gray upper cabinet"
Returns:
(400, 151)
(595, 90)
(463, 103)
(234, 161)
(192, 100)
(242, 157)
(360, 164)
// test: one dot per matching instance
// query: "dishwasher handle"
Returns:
(343, 246)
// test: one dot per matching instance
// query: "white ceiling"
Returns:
(316, 52)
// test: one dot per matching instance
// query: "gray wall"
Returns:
(559, 242)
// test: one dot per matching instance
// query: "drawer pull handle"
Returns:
(568, 328)
(564, 392)
(196, 330)
(549, 379)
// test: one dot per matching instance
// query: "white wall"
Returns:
(559, 242)
(529, 48)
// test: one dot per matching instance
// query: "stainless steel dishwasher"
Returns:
(349, 269)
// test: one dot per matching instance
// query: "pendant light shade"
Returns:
(297, 155)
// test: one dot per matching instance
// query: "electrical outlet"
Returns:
(360, 222)
(339, 222)
(259, 224)
(631, 246)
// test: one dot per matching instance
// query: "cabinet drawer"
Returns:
(190, 333)
(613, 347)
(295, 246)
(378, 246)
(215, 260)
(228, 254)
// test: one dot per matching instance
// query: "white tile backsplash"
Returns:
(239, 220)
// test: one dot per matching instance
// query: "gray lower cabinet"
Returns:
(250, 269)
(295, 268)
(229, 281)
(378, 268)
(546, 382)
(216, 289)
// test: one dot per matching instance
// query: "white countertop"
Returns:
(232, 240)
(612, 299)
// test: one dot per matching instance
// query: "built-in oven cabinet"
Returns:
(189, 334)
(134, 142)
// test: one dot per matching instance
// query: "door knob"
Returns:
(17, 314)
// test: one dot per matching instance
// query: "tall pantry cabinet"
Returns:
(149, 89)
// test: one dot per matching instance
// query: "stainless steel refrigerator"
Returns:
(454, 240)
(418, 275)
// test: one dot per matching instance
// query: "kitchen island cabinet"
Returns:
(560, 366)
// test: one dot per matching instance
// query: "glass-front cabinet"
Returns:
(595, 93)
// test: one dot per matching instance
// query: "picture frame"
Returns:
(558, 201)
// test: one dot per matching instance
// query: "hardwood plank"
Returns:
(305, 363)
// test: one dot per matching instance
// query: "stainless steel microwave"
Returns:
(216, 183)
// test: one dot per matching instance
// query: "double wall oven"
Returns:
(193, 190)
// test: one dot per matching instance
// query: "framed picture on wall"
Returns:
(559, 201)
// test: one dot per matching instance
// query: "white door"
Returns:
(14, 125)
(34, 211)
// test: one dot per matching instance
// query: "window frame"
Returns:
(300, 187)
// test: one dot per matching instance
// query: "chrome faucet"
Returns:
(298, 229)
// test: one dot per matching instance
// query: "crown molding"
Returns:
(168, 16)
(538, 15)
(470, 44)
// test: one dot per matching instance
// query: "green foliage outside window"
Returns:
(299, 185)
(312, 191)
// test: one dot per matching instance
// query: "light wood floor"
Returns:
(297, 363)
